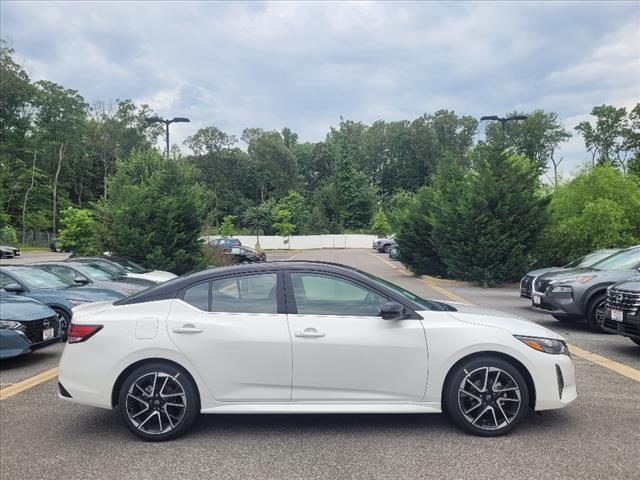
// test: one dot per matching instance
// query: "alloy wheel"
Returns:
(599, 313)
(156, 403)
(489, 398)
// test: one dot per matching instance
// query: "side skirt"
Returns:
(422, 407)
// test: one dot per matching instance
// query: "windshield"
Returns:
(37, 278)
(590, 259)
(96, 272)
(625, 260)
(130, 266)
(114, 269)
(425, 304)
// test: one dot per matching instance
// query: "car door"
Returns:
(234, 330)
(343, 351)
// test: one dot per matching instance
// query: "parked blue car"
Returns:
(52, 290)
(25, 325)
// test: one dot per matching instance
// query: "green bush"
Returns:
(379, 224)
(8, 235)
(599, 208)
(154, 213)
(78, 231)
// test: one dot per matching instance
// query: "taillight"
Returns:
(80, 333)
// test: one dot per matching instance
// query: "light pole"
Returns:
(503, 120)
(157, 119)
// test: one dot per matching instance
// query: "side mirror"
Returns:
(80, 280)
(392, 311)
(14, 288)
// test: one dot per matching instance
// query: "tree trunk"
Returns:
(105, 163)
(55, 188)
(26, 196)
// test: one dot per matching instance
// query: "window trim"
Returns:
(292, 308)
(280, 295)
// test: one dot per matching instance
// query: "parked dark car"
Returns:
(7, 251)
(115, 269)
(622, 311)
(580, 293)
(246, 255)
(88, 274)
(25, 325)
(226, 242)
(527, 282)
(394, 253)
(55, 246)
(52, 290)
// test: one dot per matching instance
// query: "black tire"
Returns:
(513, 404)
(182, 391)
(595, 309)
(65, 320)
(635, 340)
(561, 318)
(385, 248)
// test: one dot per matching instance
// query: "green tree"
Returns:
(379, 223)
(605, 139)
(228, 228)
(283, 225)
(486, 233)
(599, 208)
(154, 213)
(78, 231)
(208, 140)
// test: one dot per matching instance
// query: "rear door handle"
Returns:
(309, 333)
(188, 328)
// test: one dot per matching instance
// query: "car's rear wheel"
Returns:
(595, 313)
(159, 401)
(386, 248)
(486, 396)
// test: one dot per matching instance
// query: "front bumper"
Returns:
(629, 327)
(555, 383)
(13, 344)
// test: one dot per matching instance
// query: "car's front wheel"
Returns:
(595, 313)
(64, 320)
(486, 396)
(159, 401)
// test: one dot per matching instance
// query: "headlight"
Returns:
(547, 345)
(75, 303)
(10, 324)
(562, 289)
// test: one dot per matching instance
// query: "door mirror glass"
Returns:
(14, 288)
(392, 311)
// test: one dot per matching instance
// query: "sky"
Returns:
(303, 65)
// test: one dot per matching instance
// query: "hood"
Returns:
(505, 321)
(91, 294)
(542, 271)
(123, 287)
(598, 275)
(23, 309)
(632, 285)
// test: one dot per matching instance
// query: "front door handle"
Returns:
(187, 328)
(309, 333)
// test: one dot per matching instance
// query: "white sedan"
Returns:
(307, 337)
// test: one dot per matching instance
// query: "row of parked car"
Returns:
(387, 245)
(602, 288)
(36, 300)
(237, 252)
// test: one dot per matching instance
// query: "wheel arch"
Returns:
(115, 391)
(589, 295)
(503, 356)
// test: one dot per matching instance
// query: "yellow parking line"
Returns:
(28, 383)
(437, 288)
(605, 362)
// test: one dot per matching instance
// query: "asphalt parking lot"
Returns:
(594, 438)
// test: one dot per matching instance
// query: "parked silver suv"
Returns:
(580, 293)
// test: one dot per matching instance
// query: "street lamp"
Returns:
(503, 120)
(157, 119)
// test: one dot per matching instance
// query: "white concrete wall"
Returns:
(305, 242)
